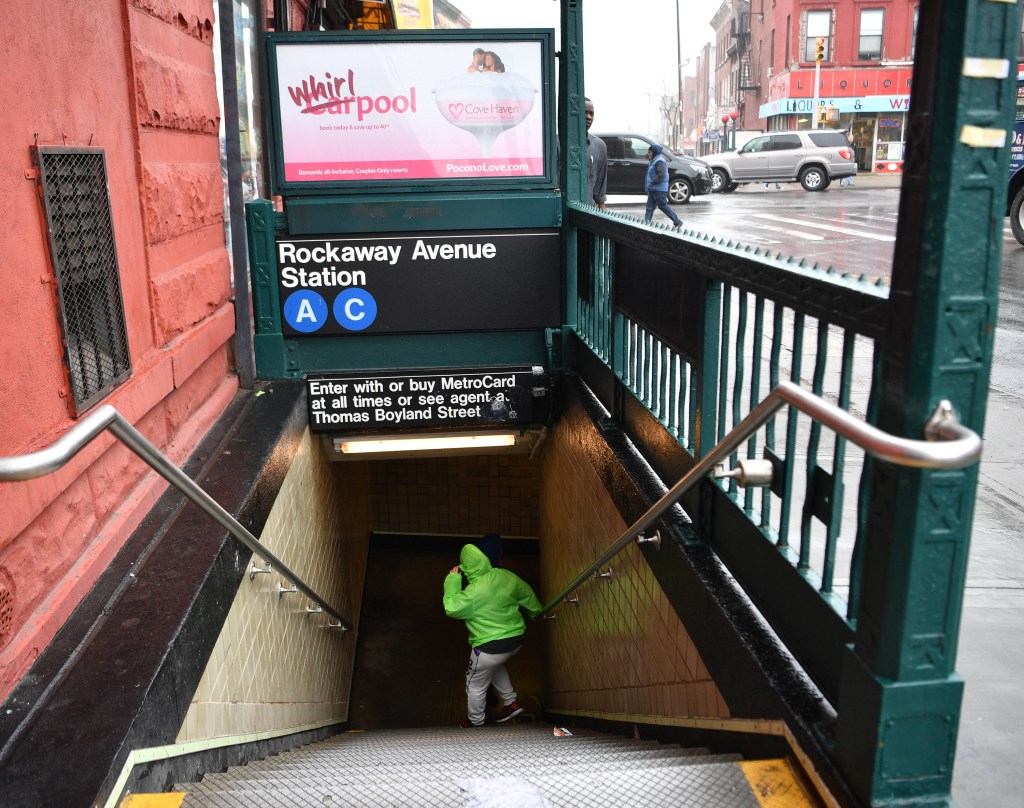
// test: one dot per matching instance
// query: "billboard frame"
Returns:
(345, 188)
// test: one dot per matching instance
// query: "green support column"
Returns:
(266, 305)
(900, 698)
(572, 145)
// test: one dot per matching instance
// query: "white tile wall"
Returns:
(273, 666)
(623, 649)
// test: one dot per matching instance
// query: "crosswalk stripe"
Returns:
(797, 233)
(831, 227)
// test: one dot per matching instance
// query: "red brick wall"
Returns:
(135, 78)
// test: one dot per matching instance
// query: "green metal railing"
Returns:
(765, 320)
(699, 331)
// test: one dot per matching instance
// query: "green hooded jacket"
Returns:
(490, 603)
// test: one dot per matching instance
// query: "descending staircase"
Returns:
(518, 766)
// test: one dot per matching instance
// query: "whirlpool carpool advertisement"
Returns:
(411, 109)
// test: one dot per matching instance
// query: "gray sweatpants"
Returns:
(486, 670)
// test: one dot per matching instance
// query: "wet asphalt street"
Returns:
(853, 230)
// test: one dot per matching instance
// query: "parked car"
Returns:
(627, 169)
(812, 157)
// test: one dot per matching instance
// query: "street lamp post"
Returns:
(729, 143)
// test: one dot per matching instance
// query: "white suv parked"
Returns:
(813, 157)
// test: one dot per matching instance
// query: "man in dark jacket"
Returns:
(597, 161)
(656, 186)
(490, 605)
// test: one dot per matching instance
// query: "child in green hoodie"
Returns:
(490, 604)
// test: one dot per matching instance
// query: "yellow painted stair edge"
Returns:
(172, 800)
(775, 784)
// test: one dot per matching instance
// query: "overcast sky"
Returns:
(629, 49)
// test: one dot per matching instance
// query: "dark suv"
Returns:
(627, 169)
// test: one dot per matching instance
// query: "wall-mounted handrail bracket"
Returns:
(254, 570)
(749, 473)
(654, 538)
(550, 617)
(574, 601)
(282, 590)
(310, 610)
(607, 574)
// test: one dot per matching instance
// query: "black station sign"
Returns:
(428, 399)
(344, 285)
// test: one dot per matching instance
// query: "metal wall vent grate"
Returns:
(6, 608)
(76, 200)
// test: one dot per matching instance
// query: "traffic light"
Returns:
(819, 49)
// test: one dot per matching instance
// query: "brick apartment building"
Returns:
(762, 67)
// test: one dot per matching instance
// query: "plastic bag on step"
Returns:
(502, 792)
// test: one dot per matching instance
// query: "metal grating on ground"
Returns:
(434, 768)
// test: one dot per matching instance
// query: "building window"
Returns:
(869, 46)
(76, 203)
(819, 24)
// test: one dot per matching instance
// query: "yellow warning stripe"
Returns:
(775, 785)
(172, 800)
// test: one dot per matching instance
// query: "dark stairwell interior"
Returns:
(411, 658)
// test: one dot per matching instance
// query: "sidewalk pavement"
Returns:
(862, 180)
(990, 657)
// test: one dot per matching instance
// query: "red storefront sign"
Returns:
(841, 82)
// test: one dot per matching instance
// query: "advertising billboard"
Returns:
(417, 107)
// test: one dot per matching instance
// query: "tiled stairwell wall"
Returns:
(469, 495)
(273, 666)
(622, 650)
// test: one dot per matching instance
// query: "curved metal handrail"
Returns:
(61, 451)
(947, 444)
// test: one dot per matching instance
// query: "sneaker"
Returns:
(510, 711)
(677, 227)
(465, 723)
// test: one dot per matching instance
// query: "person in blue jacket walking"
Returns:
(656, 186)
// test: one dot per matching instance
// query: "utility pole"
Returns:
(679, 76)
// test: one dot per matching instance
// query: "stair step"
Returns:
(458, 757)
(722, 785)
(341, 775)
(458, 748)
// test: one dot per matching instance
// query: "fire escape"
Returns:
(747, 73)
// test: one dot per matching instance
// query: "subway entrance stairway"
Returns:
(522, 766)
(403, 746)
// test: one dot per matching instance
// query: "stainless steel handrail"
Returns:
(947, 444)
(61, 451)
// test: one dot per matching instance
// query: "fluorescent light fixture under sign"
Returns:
(425, 443)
